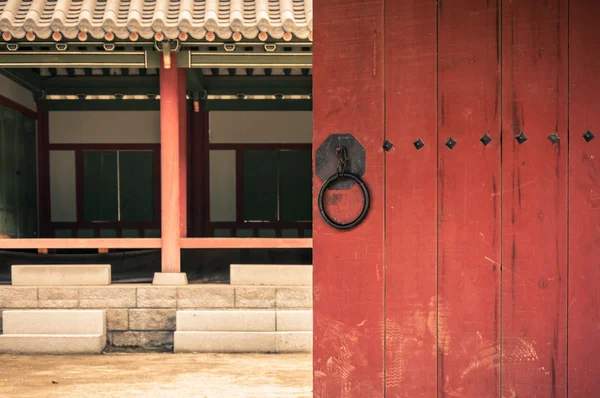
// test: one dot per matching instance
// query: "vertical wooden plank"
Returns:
(469, 198)
(411, 203)
(584, 200)
(534, 198)
(169, 164)
(183, 145)
(348, 266)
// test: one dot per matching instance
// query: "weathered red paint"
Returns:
(584, 201)
(183, 149)
(348, 268)
(468, 199)
(534, 198)
(7, 102)
(411, 226)
(169, 160)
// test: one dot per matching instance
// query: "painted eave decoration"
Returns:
(156, 19)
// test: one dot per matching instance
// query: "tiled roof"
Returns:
(128, 19)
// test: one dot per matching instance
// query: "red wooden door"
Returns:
(476, 273)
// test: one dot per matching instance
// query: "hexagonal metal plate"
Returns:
(326, 159)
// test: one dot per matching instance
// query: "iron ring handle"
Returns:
(366, 203)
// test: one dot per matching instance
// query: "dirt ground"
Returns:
(157, 375)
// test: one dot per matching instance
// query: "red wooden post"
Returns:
(469, 199)
(43, 169)
(170, 98)
(348, 266)
(411, 204)
(183, 144)
(198, 143)
(534, 199)
(584, 201)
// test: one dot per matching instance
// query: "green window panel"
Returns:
(289, 233)
(136, 176)
(85, 233)
(245, 233)
(260, 185)
(131, 233)
(222, 233)
(108, 233)
(152, 233)
(267, 233)
(277, 185)
(63, 233)
(100, 186)
(295, 185)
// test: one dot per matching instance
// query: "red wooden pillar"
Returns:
(534, 197)
(170, 121)
(183, 149)
(584, 201)
(348, 359)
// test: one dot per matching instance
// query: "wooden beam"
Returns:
(73, 59)
(170, 98)
(154, 105)
(203, 59)
(75, 243)
(246, 243)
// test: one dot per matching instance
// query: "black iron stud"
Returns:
(419, 144)
(554, 138)
(450, 143)
(387, 145)
(588, 136)
(521, 138)
(486, 139)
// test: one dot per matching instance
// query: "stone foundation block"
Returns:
(107, 297)
(294, 342)
(254, 297)
(117, 319)
(295, 320)
(18, 297)
(294, 297)
(61, 275)
(157, 297)
(226, 321)
(140, 339)
(205, 296)
(63, 322)
(271, 275)
(51, 344)
(152, 319)
(225, 342)
(170, 278)
(58, 297)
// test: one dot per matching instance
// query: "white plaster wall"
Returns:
(15, 92)
(106, 127)
(222, 185)
(63, 202)
(260, 127)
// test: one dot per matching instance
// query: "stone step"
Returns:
(242, 342)
(61, 275)
(294, 320)
(226, 321)
(52, 344)
(270, 275)
(54, 322)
